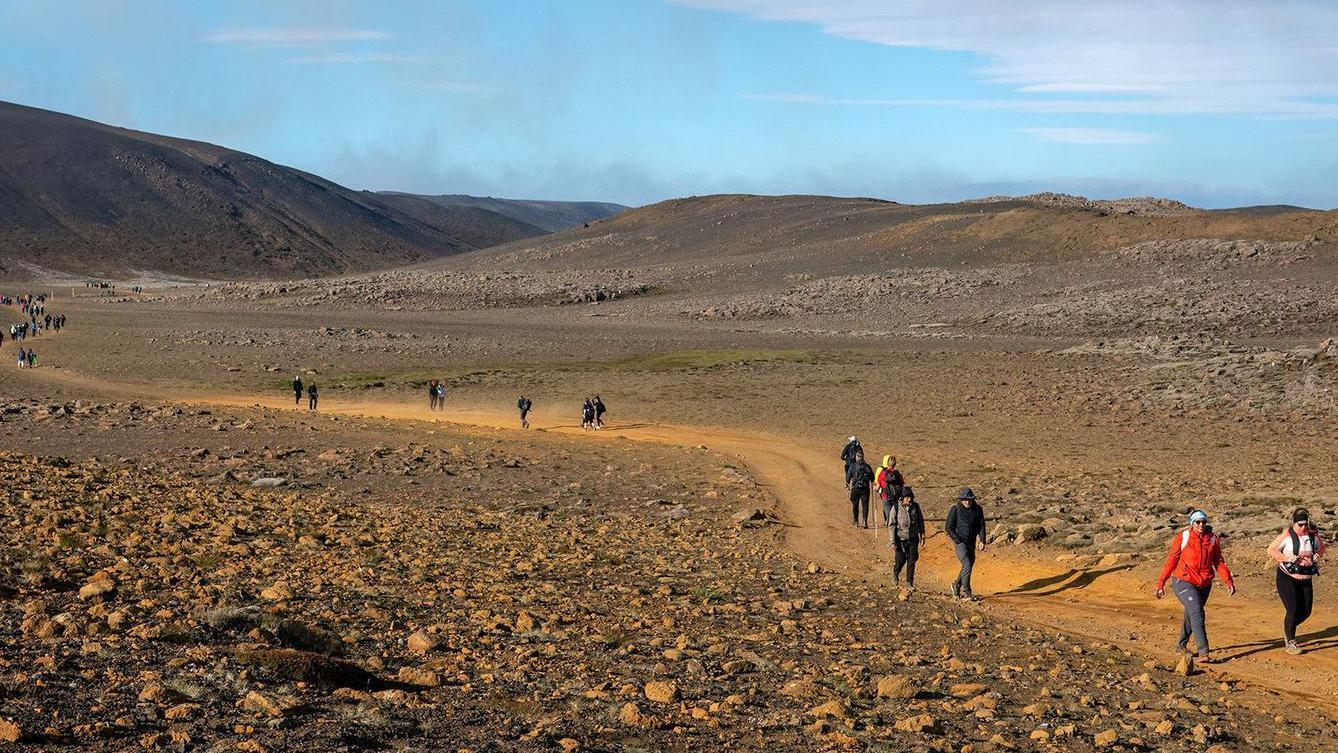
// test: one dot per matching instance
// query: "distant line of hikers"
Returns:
(33, 307)
(1194, 558)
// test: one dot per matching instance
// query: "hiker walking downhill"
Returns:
(523, 405)
(890, 484)
(1196, 553)
(965, 525)
(312, 396)
(848, 452)
(588, 415)
(1297, 551)
(297, 390)
(859, 480)
(432, 395)
(906, 531)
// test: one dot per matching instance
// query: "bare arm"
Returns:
(1275, 549)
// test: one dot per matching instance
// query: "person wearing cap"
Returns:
(848, 452)
(1196, 553)
(965, 524)
(906, 532)
(1297, 551)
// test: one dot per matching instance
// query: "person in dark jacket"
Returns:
(859, 480)
(965, 524)
(313, 396)
(297, 390)
(848, 452)
(906, 530)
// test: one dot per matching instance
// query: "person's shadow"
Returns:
(1084, 578)
(1322, 640)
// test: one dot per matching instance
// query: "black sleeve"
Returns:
(850, 472)
(951, 524)
(982, 522)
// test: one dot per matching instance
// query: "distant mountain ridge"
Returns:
(550, 216)
(83, 197)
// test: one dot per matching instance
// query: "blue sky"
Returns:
(1216, 103)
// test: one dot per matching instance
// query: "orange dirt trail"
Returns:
(1113, 604)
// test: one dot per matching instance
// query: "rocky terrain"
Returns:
(326, 583)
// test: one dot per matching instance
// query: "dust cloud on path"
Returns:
(1110, 603)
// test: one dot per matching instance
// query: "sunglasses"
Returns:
(1198, 523)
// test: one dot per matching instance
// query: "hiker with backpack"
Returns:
(848, 452)
(906, 531)
(523, 405)
(432, 395)
(1196, 553)
(964, 525)
(312, 396)
(859, 480)
(890, 484)
(1297, 551)
(297, 390)
(600, 410)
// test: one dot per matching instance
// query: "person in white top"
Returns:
(1297, 550)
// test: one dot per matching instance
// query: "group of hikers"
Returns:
(313, 394)
(592, 413)
(37, 320)
(1193, 562)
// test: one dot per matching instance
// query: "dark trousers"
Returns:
(1297, 596)
(297, 394)
(859, 500)
(966, 554)
(1194, 600)
(311, 402)
(908, 551)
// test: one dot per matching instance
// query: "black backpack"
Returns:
(1295, 568)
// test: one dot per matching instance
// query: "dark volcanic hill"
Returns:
(81, 196)
(551, 216)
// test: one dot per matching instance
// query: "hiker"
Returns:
(1297, 550)
(441, 395)
(848, 452)
(859, 480)
(297, 390)
(432, 395)
(1195, 554)
(965, 525)
(312, 396)
(32, 358)
(600, 410)
(523, 405)
(890, 483)
(588, 414)
(23, 358)
(906, 531)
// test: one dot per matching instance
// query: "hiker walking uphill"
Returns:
(906, 531)
(297, 390)
(432, 395)
(1297, 551)
(965, 525)
(600, 410)
(312, 396)
(523, 405)
(890, 484)
(1196, 553)
(859, 480)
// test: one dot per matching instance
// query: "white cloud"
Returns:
(1091, 135)
(1286, 109)
(1264, 57)
(364, 58)
(295, 36)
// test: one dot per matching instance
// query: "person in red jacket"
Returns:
(1196, 553)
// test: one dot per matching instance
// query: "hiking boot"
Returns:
(969, 597)
(956, 590)
(1203, 658)
(1293, 649)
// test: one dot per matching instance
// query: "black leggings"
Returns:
(859, 498)
(1297, 596)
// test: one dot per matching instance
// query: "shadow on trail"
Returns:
(1084, 578)
(1312, 642)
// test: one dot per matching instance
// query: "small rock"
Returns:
(661, 692)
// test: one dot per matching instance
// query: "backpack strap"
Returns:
(1184, 539)
(1296, 541)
